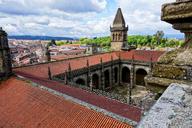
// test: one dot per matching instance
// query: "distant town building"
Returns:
(118, 32)
(66, 51)
(93, 49)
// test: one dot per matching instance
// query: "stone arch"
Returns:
(95, 81)
(140, 75)
(125, 75)
(80, 81)
(107, 78)
(116, 75)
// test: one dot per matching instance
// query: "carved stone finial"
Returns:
(49, 73)
(69, 67)
(111, 57)
(179, 15)
(101, 60)
(87, 62)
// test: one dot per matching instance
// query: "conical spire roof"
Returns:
(119, 20)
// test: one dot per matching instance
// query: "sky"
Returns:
(80, 18)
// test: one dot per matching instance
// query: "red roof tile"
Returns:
(59, 67)
(142, 55)
(62, 57)
(22, 105)
(124, 110)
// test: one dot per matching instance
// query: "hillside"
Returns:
(28, 37)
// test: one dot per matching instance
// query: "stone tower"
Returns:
(118, 32)
(5, 57)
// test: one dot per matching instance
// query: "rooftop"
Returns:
(26, 106)
(39, 74)
(58, 67)
(133, 114)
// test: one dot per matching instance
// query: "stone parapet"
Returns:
(172, 110)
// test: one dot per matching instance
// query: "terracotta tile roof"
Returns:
(62, 57)
(142, 55)
(59, 67)
(124, 110)
(22, 105)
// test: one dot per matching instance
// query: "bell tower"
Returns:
(118, 32)
(5, 57)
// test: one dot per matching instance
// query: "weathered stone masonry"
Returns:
(5, 58)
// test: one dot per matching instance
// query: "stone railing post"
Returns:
(112, 72)
(102, 79)
(119, 76)
(88, 73)
(49, 73)
(69, 72)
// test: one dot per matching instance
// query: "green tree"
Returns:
(159, 36)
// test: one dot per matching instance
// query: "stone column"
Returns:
(88, 74)
(91, 83)
(132, 81)
(112, 72)
(49, 73)
(151, 64)
(102, 79)
(119, 76)
(65, 77)
(132, 73)
(69, 73)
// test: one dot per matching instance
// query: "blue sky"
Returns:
(80, 18)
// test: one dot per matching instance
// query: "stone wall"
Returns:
(116, 46)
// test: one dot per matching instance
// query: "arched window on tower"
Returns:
(119, 37)
(116, 37)
(113, 36)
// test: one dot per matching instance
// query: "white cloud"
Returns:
(79, 17)
(25, 7)
(143, 16)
